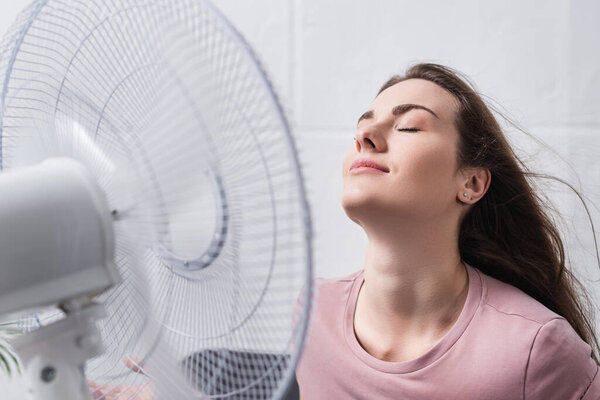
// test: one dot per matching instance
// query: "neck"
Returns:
(413, 278)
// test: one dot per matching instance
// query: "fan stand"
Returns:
(54, 356)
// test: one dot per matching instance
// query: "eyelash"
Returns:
(408, 129)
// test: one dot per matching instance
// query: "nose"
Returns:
(368, 138)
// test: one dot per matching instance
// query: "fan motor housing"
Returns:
(56, 235)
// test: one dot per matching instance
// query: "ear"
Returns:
(473, 184)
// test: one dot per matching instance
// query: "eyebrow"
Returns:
(399, 110)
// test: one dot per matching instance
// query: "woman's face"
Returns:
(409, 131)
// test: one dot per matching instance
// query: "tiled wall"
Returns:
(539, 62)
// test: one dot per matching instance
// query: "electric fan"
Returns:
(142, 136)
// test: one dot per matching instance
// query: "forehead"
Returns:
(421, 92)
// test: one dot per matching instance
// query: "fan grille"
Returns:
(165, 104)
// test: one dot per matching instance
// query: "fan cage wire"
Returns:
(36, 7)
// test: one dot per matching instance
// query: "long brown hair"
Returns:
(508, 233)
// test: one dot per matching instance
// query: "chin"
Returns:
(352, 200)
(359, 205)
(375, 207)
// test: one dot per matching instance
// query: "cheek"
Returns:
(429, 168)
(346, 162)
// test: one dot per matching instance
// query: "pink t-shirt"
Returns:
(504, 346)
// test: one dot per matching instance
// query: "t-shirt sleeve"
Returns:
(560, 365)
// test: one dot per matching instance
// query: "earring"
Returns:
(465, 194)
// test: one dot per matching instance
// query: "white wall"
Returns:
(538, 60)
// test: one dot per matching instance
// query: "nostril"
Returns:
(360, 142)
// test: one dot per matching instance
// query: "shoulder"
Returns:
(558, 363)
(330, 297)
(327, 287)
(343, 280)
(327, 292)
(513, 302)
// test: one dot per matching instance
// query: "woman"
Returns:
(464, 292)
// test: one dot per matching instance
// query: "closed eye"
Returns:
(408, 129)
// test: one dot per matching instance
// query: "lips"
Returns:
(368, 164)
